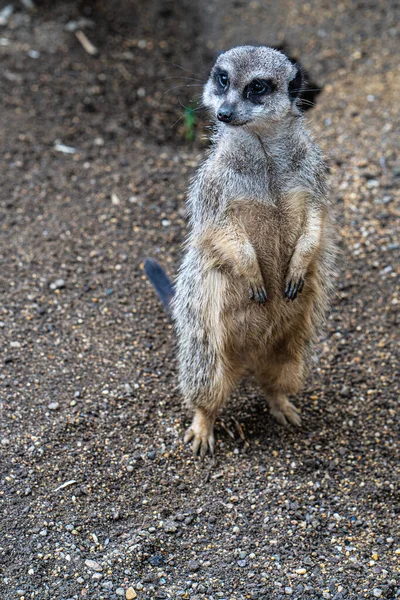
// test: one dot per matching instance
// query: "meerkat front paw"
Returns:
(201, 432)
(294, 286)
(257, 292)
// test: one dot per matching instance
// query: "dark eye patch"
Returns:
(222, 80)
(258, 88)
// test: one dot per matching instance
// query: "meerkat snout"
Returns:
(225, 113)
(252, 86)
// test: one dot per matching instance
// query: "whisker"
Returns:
(308, 89)
(179, 86)
(188, 107)
(179, 67)
(177, 121)
(177, 77)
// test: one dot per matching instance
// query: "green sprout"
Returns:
(190, 123)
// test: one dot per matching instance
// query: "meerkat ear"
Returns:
(295, 84)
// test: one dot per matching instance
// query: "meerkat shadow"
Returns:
(247, 422)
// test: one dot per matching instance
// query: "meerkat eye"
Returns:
(259, 87)
(223, 79)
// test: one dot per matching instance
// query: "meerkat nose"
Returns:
(225, 114)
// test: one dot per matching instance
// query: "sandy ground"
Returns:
(100, 499)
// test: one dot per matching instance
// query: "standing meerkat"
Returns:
(254, 284)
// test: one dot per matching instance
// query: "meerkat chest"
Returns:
(256, 177)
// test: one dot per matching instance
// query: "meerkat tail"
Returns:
(160, 281)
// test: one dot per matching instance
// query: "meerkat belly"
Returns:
(273, 234)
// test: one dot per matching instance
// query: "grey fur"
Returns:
(258, 165)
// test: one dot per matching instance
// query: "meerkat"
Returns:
(255, 280)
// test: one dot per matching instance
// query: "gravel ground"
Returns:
(99, 497)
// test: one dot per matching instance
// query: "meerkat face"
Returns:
(252, 86)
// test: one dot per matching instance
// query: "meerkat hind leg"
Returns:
(283, 410)
(278, 379)
(201, 432)
(213, 398)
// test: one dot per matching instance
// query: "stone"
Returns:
(57, 285)
(108, 585)
(130, 594)
(170, 527)
(92, 564)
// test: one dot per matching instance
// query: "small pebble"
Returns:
(377, 592)
(58, 284)
(92, 564)
(170, 527)
(108, 585)
(53, 406)
(130, 594)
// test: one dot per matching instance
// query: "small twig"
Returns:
(86, 43)
(66, 484)
(241, 433)
(208, 474)
(124, 72)
(228, 431)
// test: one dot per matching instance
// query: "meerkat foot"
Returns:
(257, 292)
(201, 433)
(294, 286)
(284, 411)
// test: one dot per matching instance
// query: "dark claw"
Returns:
(261, 296)
(258, 294)
(293, 289)
(264, 295)
(288, 290)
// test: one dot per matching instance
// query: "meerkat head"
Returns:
(252, 86)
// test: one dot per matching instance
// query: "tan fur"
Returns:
(255, 243)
